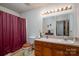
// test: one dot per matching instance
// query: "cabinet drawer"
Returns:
(56, 52)
(71, 48)
(38, 43)
(46, 44)
(72, 51)
(58, 46)
(54, 46)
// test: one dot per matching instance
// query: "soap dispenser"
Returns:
(41, 35)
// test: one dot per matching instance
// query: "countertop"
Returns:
(59, 41)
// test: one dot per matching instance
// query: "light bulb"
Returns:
(50, 11)
(55, 10)
(47, 12)
(69, 7)
(65, 8)
(59, 9)
(62, 9)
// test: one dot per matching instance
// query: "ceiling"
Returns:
(22, 7)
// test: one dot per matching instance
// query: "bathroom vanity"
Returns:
(56, 47)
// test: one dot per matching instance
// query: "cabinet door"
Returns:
(56, 52)
(71, 51)
(47, 51)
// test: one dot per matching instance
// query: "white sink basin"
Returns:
(68, 41)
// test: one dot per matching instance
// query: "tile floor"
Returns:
(23, 52)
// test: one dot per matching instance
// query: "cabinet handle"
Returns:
(70, 52)
(66, 52)
(73, 52)
(71, 49)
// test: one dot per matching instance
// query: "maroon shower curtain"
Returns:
(12, 33)
(23, 30)
(1, 49)
(19, 33)
(6, 47)
(16, 44)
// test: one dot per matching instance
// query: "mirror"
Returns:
(59, 25)
(62, 28)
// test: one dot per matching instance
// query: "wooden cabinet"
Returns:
(53, 49)
(47, 51)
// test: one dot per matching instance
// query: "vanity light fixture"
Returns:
(58, 10)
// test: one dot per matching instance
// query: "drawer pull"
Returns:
(71, 49)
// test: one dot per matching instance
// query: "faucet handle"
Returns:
(46, 36)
